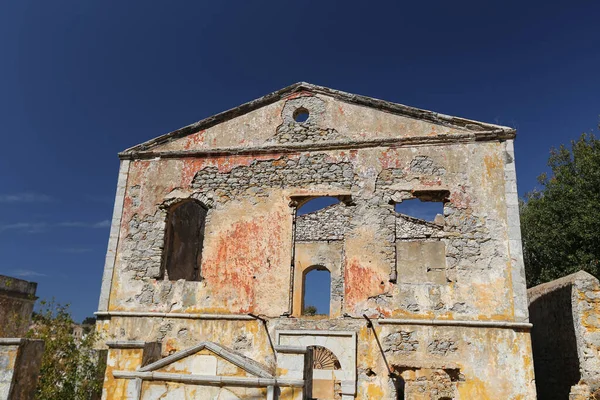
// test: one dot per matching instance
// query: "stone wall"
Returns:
(329, 223)
(566, 324)
(259, 176)
(20, 359)
(17, 298)
(20, 362)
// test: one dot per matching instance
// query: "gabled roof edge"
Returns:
(394, 108)
(248, 365)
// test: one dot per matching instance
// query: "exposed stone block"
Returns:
(421, 262)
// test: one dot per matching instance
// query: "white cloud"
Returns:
(73, 224)
(25, 198)
(36, 227)
(81, 224)
(28, 227)
(25, 273)
(102, 224)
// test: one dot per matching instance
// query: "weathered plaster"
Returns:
(251, 167)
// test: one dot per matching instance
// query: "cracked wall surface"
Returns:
(250, 169)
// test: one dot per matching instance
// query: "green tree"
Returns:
(89, 321)
(309, 310)
(560, 223)
(70, 367)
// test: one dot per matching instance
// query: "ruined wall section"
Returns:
(20, 362)
(17, 298)
(473, 280)
(249, 196)
(565, 320)
(416, 354)
(249, 230)
(554, 344)
(304, 171)
(244, 230)
(451, 360)
(411, 228)
(586, 309)
(329, 223)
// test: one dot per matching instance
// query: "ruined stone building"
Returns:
(17, 298)
(566, 337)
(20, 358)
(202, 294)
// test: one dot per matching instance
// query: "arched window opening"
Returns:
(184, 240)
(316, 291)
(325, 380)
(316, 204)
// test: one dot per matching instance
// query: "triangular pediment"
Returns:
(202, 359)
(336, 117)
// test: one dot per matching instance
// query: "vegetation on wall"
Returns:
(70, 366)
(309, 310)
(560, 223)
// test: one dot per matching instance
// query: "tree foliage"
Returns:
(309, 310)
(560, 223)
(70, 367)
(89, 321)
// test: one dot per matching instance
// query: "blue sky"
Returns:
(82, 80)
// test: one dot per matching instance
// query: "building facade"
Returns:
(204, 283)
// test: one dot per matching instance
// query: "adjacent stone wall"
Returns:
(17, 298)
(20, 362)
(566, 325)
(554, 343)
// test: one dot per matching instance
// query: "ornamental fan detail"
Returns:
(324, 359)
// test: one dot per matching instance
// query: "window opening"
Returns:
(184, 240)
(301, 114)
(417, 208)
(317, 291)
(316, 204)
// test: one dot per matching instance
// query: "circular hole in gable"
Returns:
(301, 114)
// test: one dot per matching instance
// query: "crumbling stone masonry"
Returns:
(566, 337)
(418, 309)
(20, 359)
(17, 298)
